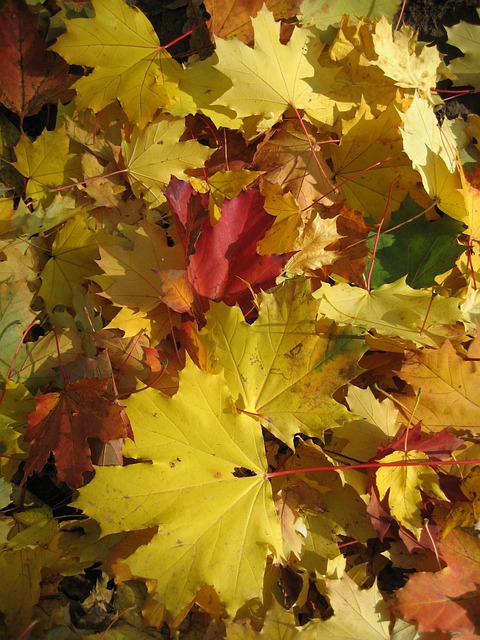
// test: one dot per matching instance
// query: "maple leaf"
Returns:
(366, 140)
(466, 37)
(393, 310)
(361, 438)
(431, 149)
(20, 587)
(128, 62)
(232, 19)
(73, 255)
(198, 444)
(269, 78)
(154, 154)
(285, 154)
(447, 600)
(279, 368)
(354, 79)
(358, 612)
(15, 314)
(280, 624)
(404, 484)
(399, 59)
(417, 249)
(132, 276)
(312, 253)
(46, 162)
(62, 423)
(448, 382)
(324, 13)
(325, 516)
(31, 76)
(223, 263)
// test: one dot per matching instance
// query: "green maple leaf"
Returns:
(213, 527)
(418, 249)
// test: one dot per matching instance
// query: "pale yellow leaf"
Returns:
(393, 310)
(432, 150)
(403, 485)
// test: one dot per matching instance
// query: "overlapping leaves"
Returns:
(175, 279)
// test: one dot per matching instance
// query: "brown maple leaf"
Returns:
(62, 423)
(31, 75)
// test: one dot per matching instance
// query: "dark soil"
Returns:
(430, 17)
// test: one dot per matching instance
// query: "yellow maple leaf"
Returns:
(47, 162)
(358, 613)
(154, 154)
(366, 140)
(399, 59)
(132, 276)
(431, 149)
(311, 246)
(223, 185)
(279, 368)
(128, 62)
(466, 37)
(288, 223)
(269, 78)
(449, 386)
(198, 445)
(324, 13)
(15, 315)
(73, 256)
(393, 310)
(403, 485)
(353, 77)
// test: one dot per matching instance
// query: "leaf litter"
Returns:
(239, 328)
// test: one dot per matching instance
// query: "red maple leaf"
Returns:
(438, 447)
(222, 260)
(31, 76)
(448, 600)
(62, 423)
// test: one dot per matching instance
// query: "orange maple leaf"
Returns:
(62, 423)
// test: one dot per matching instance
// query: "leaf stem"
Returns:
(372, 465)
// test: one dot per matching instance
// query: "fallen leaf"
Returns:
(400, 57)
(128, 62)
(392, 309)
(358, 612)
(466, 37)
(447, 600)
(46, 163)
(31, 75)
(269, 78)
(62, 423)
(279, 368)
(431, 149)
(403, 485)
(366, 141)
(448, 383)
(153, 154)
(198, 445)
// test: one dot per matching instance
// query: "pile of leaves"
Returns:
(239, 312)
